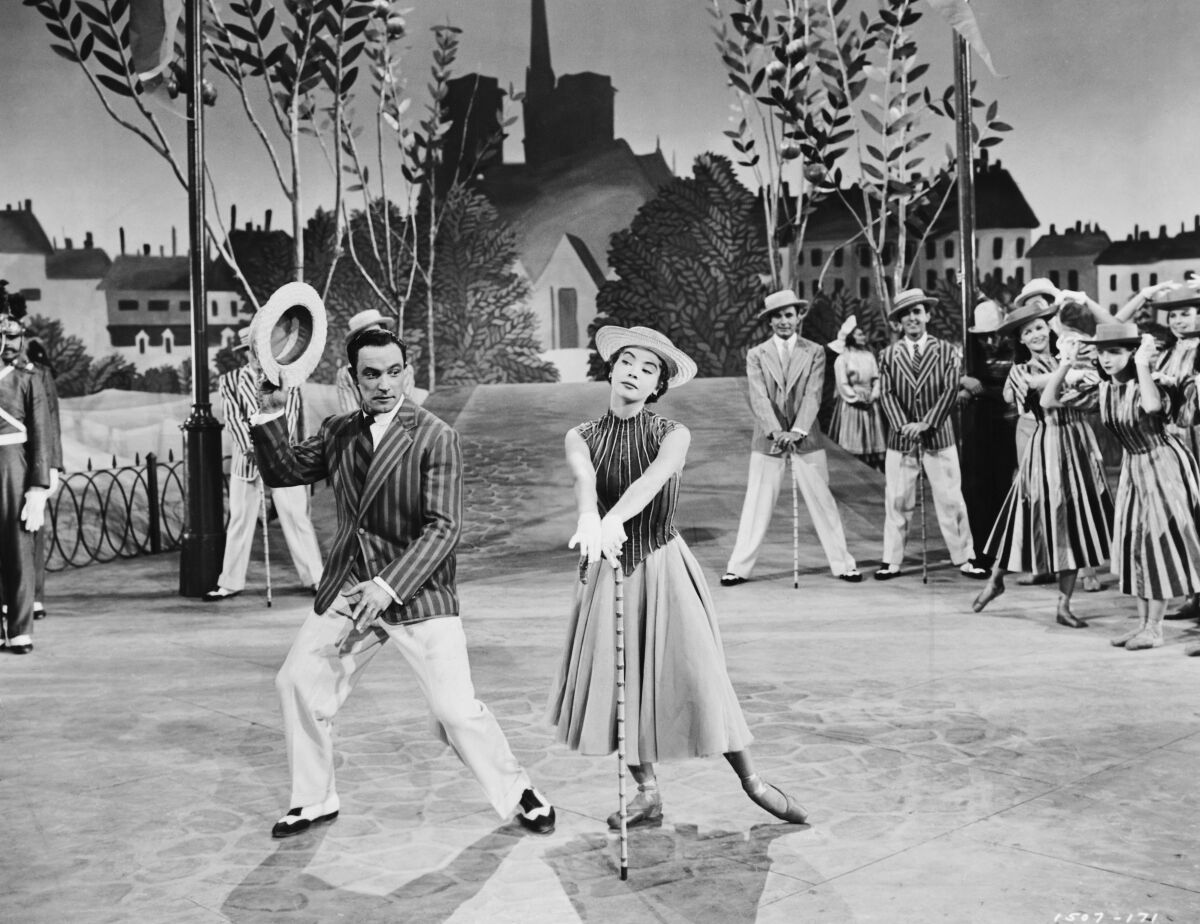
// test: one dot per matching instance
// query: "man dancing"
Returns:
(785, 374)
(919, 380)
(396, 473)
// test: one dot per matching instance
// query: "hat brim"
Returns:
(767, 312)
(1190, 302)
(928, 300)
(288, 334)
(1131, 342)
(1011, 325)
(611, 340)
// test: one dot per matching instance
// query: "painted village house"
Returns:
(1069, 259)
(149, 308)
(1125, 267)
(58, 284)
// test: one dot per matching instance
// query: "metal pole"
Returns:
(966, 186)
(262, 512)
(203, 539)
(619, 627)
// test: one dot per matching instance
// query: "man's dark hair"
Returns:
(664, 373)
(1078, 317)
(374, 337)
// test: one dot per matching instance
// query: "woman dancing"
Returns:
(1158, 498)
(680, 702)
(1058, 513)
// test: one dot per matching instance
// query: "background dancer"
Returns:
(679, 701)
(1058, 513)
(857, 424)
(1156, 538)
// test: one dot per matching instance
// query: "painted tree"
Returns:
(488, 332)
(829, 91)
(690, 265)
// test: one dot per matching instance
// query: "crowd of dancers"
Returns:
(1077, 365)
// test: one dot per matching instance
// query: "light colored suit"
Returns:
(238, 391)
(787, 397)
(399, 513)
(908, 393)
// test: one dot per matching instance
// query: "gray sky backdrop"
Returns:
(1103, 95)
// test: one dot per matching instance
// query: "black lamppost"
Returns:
(203, 540)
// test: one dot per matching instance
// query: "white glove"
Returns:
(55, 481)
(33, 514)
(587, 537)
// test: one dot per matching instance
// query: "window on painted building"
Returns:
(839, 284)
(997, 248)
(167, 344)
(998, 276)
(158, 304)
(1154, 279)
(141, 344)
(127, 304)
(31, 295)
(1020, 247)
(888, 252)
(1054, 276)
(1112, 283)
(948, 248)
(930, 249)
(568, 319)
(817, 256)
(930, 280)
(1073, 280)
(185, 306)
(839, 258)
(951, 276)
(1020, 275)
(864, 288)
(864, 255)
(215, 309)
(800, 287)
(910, 251)
(1135, 282)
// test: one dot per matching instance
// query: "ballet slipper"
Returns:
(774, 800)
(991, 590)
(643, 812)
(1064, 616)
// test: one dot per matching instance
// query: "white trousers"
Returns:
(762, 491)
(326, 660)
(292, 506)
(900, 499)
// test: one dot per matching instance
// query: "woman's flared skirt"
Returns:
(679, 701)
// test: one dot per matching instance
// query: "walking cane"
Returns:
(921, 499)
(795, 525)
(262, 512)
(619, 626)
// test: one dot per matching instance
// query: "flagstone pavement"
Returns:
(957, 767)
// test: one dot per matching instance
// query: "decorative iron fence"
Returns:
(99, 515)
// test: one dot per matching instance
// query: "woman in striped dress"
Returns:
(680, 703)
(1058, 512)
(857, 424)
(1155, 536)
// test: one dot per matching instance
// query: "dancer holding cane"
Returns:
(679, 700)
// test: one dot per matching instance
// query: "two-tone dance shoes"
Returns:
(300, 819)
(729, 579)
(20, 644)
(774, 800)
(535, 813)
(645, 811)
(221, 593)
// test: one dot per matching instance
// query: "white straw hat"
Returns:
(611, 339)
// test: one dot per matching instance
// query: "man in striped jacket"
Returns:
(919, 381)
(238, 390)
(396, 474)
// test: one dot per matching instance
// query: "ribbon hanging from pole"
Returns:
(960, 15)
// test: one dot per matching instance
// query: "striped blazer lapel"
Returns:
(927, 365)
(391, 449)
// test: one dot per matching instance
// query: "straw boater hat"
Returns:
(988, 316)
(1180, 295)
(1115, 334)
(777, 300)
(847, 328)
(1029, 311)
(907, 299)
(1040, 287)
(610, 340)
(288, 334)
(372, 317)
(243, 339)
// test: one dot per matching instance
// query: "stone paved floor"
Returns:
(957, 767)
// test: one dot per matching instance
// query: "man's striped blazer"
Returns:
(925, 394)
(401, 523)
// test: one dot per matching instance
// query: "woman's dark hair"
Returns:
(1077, 317)
(1021, 352)
(1158, 332)
(375, 337)
(664, 373)
(857, 339)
